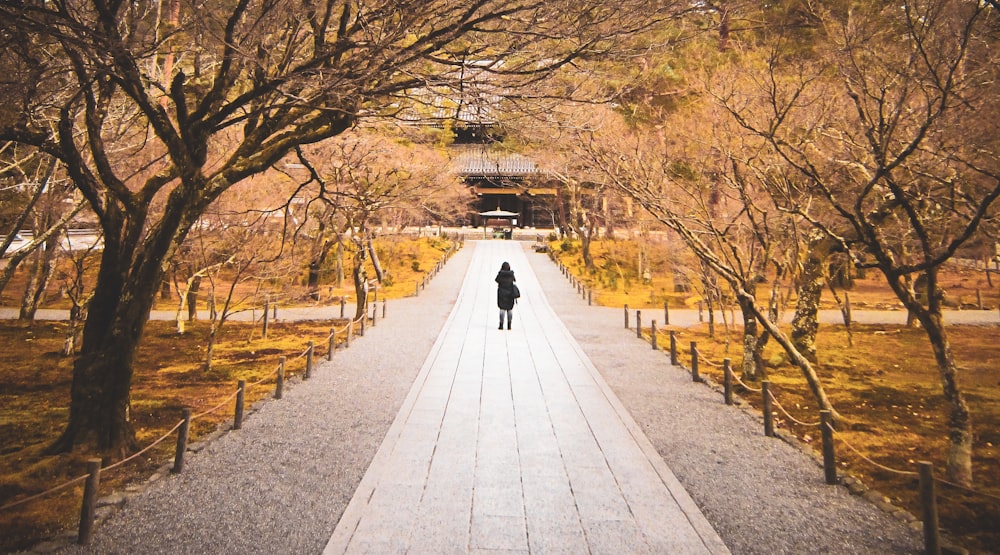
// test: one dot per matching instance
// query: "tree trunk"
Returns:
(165, 289)
(35, 281)
(360, 275)
(812, 379)
(805, 322)
(312, 280)
(127, 282)
(959, 464)
(192, 298)
(210, 349)
(102, 372)
(750, 353)
(340, 264)
(588, 258)
(379, 274)
(316, 268)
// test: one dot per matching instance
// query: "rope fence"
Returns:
(55, 489)
(867, 459)
(148, 448)
(789, 416)
(928, 495)
(745, 385)
(92, 478)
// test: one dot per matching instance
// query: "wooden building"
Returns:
(508, 182)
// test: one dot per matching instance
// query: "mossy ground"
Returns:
(169, 376)
(886, 385)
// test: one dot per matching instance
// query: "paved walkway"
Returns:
(510, 441)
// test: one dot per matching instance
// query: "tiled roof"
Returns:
(489, 164)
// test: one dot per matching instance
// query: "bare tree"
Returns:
(79, 259)
(362, 176)
(150, 151)
(42, 211)
(893, 159)
(698, 187)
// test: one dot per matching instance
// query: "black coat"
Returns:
(505, 289)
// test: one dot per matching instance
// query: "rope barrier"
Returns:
(144, 451)
(869, 461)
(790, 417)
(44, 493)
(703, 358)
(217, 407)
(162, 438)
(265, 378)
(747, 387)
(967, 490)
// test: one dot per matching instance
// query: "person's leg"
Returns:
(510, 318)
(501, 319)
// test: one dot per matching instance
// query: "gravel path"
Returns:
(763, 495)
(280, 484)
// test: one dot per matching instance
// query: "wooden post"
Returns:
(374, 314)
(238, 415)
(695, 377)
(274, 310)
(590, 297)
(928, 503)
(182, 442)
(417, 292)
(364, 324)
(89, 505)
(727, 381)
(666, 314)
(673, 348)
(331, 345)
(309, 362)
(979, 298)
(383, 308)
(829, 455)
(350, 332)
(765, 386)
(343, 304)
(652, 334)
(279, 386)
(638, 324)
(701, 313)
(626, 316)
(267, 306)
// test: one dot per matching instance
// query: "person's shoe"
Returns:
(501, 326)
(508, 325)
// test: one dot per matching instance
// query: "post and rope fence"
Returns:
(94, 470)
(927, 481)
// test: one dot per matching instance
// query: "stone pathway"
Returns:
(510, 441)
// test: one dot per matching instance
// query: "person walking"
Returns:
(507, 294)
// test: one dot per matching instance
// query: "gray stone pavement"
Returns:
(511, 441)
